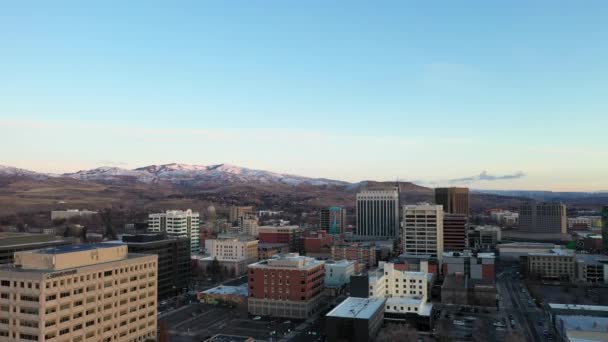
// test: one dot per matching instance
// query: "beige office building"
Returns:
(543, 218)
(96, 293)
(423, 230)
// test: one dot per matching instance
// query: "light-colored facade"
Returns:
(337, 273)
(232, 249)
(248, 225)
(557, 264)
(407, 291)
(543, 218)
(178, 224)
(237, 212)
(96, 293)
(378, 214)
(70, 213)
(423, 230)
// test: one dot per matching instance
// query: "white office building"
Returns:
(406, 291)
(177, 223)
(423, 230)
(378, 214)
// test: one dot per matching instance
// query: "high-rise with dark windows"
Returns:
(454, 200)
(378, 214)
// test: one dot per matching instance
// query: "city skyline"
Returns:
(498, 96)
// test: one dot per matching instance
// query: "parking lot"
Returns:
(466, 323)
(196, 322)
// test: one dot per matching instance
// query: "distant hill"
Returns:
(158, 187)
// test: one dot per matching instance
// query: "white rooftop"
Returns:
(354, 307)
(556, 252)
(578, 307)
(228, 290)
(584, 328)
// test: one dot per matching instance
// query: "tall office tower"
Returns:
(332, 219)
(454, 232)
(378, 214)
(453, 200)
(173, 260)
(288, 286)
(95, 292)
(423, 230)
(177, 224)
(236, 212)
(537, 217)
(605, 227)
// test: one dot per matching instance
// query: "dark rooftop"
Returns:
(76, 248)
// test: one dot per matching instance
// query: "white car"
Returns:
(457, 322)
(256, 318)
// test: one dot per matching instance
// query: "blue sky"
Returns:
(424, 91)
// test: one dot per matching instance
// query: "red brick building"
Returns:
(288, 286)
(317, 242)
(454, 232)
(363, 253)
(281, 234)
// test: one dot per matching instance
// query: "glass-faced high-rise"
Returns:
(378, 214)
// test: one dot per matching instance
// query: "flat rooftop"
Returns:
(75, 248)
(578, 307)
(354, 307)
(556, 252)
(228, 290)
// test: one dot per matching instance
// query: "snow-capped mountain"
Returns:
(186, 174)
(14, 171)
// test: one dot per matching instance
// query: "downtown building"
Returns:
(378, 214)
(537, 217)
(11, 243)
(454, 232)
(454, 200)
(406, 292)
(89, 293)
(289, 235)
(332, 220)
(289, 286)
(173, 260)
(233, 254)
(364, 253)
(423, 230)
(177, 224)
(237, 212)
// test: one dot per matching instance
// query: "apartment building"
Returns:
(378, 214)
(173, 260)
(288, 286)
(423, 230)
(177, 224)
(362, 253)
(96, 293)
(454, 200)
